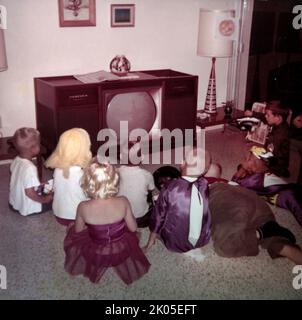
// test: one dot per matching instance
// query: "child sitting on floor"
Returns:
(277, 141)
(254, 174)
(103, 235)
(71, 155)
(136, 184)
(24, 193)
(163, 175)
(181, 218)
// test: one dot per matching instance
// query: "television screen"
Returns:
(137, 108)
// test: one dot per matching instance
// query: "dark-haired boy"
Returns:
(278, 141)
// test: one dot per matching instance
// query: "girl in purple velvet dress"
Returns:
(181, 217)
(104, 233)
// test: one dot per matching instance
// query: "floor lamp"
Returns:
(216, 28)
(3, 60)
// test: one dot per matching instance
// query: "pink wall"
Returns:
(164, 36)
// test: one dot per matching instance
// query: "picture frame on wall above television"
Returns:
(77, 13)
(122, 15)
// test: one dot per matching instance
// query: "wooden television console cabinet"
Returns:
(63, 102)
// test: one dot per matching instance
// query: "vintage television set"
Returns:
(137, 107)
(154, 100)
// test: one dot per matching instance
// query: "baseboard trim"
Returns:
(3, 162)
(218, 126)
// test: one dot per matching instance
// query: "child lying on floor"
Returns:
(254, 174)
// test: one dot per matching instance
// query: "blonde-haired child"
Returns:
(104, 232)
(24, 181)
(71, 155)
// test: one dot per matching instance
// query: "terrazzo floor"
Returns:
(31, 250)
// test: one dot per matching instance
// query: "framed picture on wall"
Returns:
(122, 15)
(77, 13)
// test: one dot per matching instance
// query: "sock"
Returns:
(196, 254)
(273, 229)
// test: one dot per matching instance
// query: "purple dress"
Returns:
(98, 247)
(170, 217)
(288, 195)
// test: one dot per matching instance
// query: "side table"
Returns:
(219, 118)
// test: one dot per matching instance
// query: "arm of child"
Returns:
(151, 185)
(157, 218)
(33, 195)
(258, 115)
(240, 173)
(279, 164)
(80, 222)
(129, 218)
(151, 241)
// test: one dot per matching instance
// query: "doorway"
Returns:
(275, 55)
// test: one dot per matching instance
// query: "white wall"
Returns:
(164, 36)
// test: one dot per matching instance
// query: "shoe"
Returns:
(195, 254)
(273, 229)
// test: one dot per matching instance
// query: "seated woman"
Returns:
(104, 233)
(254, 174)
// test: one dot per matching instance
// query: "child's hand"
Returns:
(47, 198)
(155, 197)
(241, 173)
(151, 242)
(48, 187)
(146, 248)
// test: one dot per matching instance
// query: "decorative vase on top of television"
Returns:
(120, 65)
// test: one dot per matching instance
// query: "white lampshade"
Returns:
(209, 42)
(3, 60)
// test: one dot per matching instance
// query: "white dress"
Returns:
(67, 193)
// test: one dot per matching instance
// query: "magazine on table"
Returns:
(102, 75)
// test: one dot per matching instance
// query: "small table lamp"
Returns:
(3, 60)
(216, 28)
